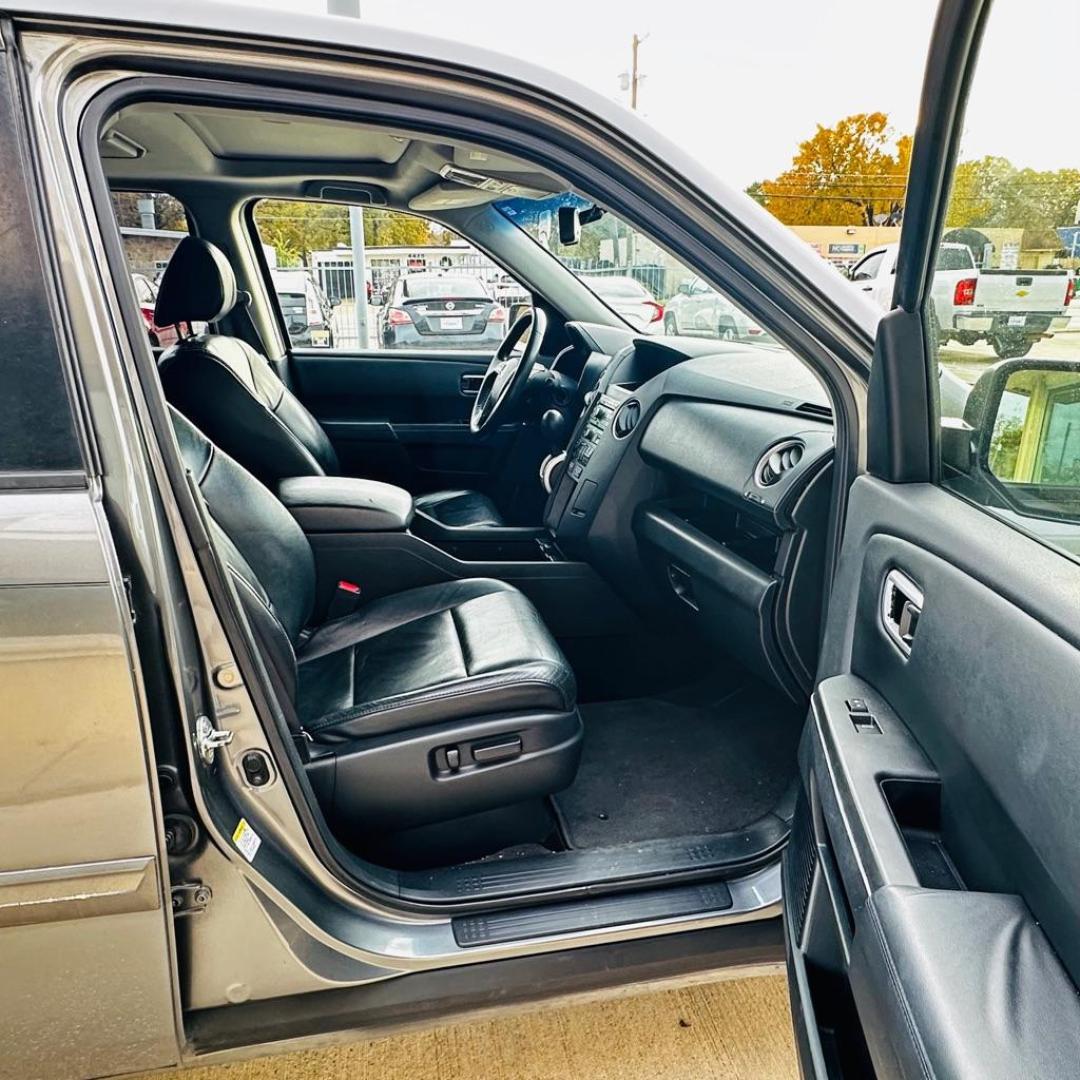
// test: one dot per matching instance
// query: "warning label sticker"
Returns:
(246, 839)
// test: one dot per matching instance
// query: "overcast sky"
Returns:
(739, 84)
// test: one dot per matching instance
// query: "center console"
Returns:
(371, 536)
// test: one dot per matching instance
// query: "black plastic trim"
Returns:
(471, 931)
(571, 873)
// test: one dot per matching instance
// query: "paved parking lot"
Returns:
(970, 361)
(727, 1030)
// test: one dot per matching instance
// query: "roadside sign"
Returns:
(1070, 239)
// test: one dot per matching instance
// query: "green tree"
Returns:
(993, 193)
(853, 173)
(388, 228)
(294, 229)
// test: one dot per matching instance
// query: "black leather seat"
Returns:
(423, 706)
(231, 392)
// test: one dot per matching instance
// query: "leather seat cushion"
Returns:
(459, 508)
(428, 655)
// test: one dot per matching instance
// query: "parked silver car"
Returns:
(698, 310)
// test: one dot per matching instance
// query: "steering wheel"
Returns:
(507, 374)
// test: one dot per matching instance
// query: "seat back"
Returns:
(264, 550)
(223, 385)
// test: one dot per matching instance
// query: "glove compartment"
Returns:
(716, 570)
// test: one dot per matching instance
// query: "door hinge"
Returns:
(190, 897)
(208, 738)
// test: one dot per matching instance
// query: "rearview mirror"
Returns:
(569, 226)
(1024, 416)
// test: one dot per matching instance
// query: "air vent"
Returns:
(815, 410)
(782, 457)
(626, 419)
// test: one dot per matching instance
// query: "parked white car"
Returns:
(1011, 309)
(698, 310)
(627, 297)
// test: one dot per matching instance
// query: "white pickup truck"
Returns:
(1011, 309)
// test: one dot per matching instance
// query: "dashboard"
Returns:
(703, 469)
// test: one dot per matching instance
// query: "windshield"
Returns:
(633, 276)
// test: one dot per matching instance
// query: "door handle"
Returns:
(901, 608)
(470, 384)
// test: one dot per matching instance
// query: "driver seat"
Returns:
(230, 391)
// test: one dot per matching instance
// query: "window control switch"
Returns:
(865, 723)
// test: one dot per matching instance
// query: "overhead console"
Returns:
(705, 499)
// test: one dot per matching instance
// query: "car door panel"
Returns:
(950, 807)
(402, 417)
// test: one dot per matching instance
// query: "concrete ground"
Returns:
(968, 362)
(711, 1031)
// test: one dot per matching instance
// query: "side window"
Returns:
(425, 287)
(37, 432)
(868, 269)
(1003, 312)
(151, 225)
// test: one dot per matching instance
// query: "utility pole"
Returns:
(632, 79)
(351, 9)
(635, 80)
(635, 43)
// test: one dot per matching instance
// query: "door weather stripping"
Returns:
(208, 738)
(901, 607)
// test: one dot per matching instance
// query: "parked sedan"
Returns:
(441, 311)
(628, 297)
(698, 310)
(306, 309)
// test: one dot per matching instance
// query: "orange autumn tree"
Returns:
(853, 173)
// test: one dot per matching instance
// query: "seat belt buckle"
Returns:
(345, 601)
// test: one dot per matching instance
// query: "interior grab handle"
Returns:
(901, 609)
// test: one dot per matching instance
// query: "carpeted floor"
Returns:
(730, 1030)
(686, 764)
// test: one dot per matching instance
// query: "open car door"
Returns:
(932, 883)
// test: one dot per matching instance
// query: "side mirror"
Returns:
(569, 226)
(1024, 422)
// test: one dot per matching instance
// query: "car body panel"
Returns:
(88, 985)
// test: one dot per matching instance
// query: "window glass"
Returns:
(37, 433)
(651, 291)
(1003, 315)
(867, 270)
(424, 286)
(151, 225)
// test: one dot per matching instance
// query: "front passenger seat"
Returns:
(424, 706)
(231, 392)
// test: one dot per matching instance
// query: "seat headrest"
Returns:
(198, 285)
